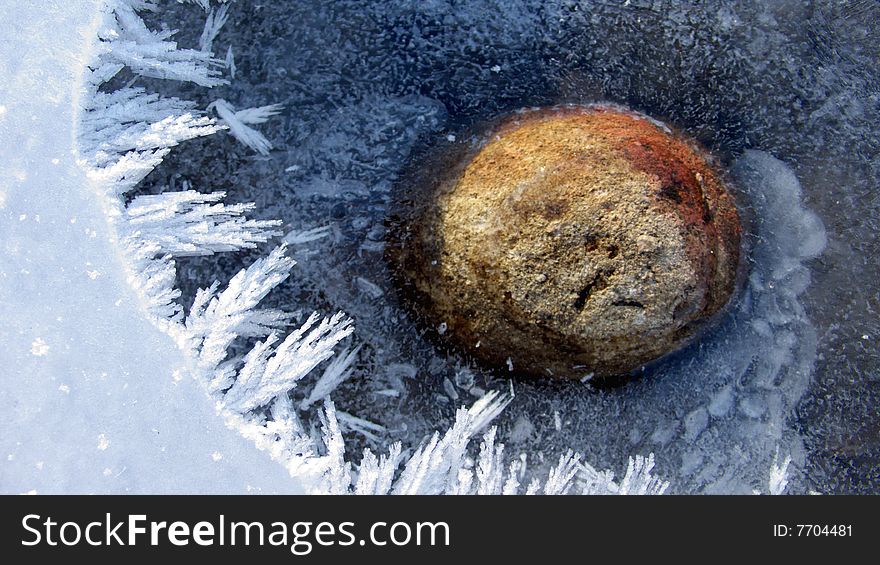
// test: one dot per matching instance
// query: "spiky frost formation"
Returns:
(124, 134)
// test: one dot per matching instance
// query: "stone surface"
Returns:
(570, 240)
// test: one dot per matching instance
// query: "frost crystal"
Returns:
(336, 372)
(238, 123)
(230, 62)
(131, 44)
(269, 372)
(191, 223)
(778, 475)
(306, 236)
(215, 21)
(215, 320)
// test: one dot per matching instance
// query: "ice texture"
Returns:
(94, 398)
(367, 86)
(785, 93)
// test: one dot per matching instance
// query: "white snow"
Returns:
(39, 347)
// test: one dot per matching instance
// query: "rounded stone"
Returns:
(567, 241)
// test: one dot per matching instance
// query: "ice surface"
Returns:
(797, 83)
(366, 86)
(94, 398)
